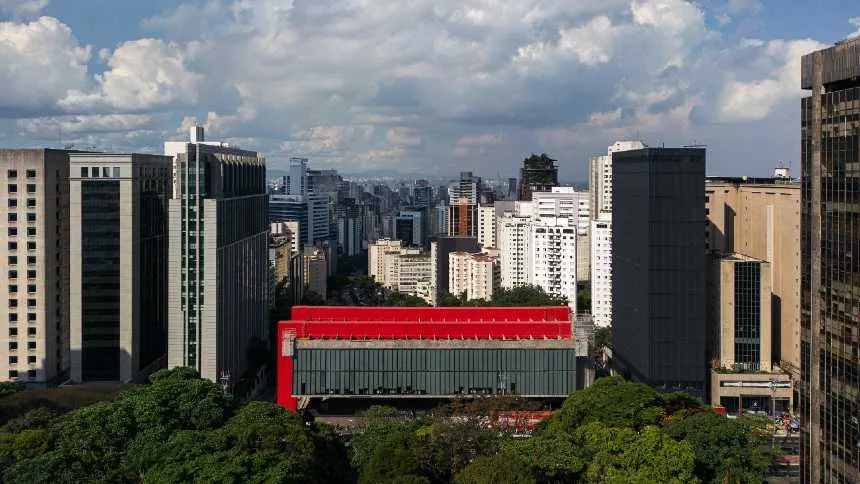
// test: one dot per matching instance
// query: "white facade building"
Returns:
(600, 183)
(515, 245)
(478, 276)
(601, 270)
(376, 257)
(487, 226)
(553, 257)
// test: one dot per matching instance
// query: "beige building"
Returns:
(289, 230)
(280, 256)
(478, 276)
(118, 264)
(377, 256)
(316, 271)
(760, 218)
(743, 376)
(410, 272)
(34, 235)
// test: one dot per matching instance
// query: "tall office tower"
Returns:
(316, 271)
(296, 183)
(439, 250)
(600, 176)
(601, 271)
(408, 228)
(311, 211)
(439, 224)
(760, 218)
(512, 188)
(830, 287)
(348, 224)
(553, 257)
(462, 218)
(478, 276)
(34, 233)
(658, 266)
(422, 194)
(324, 182)
(743, 376)
(118, 263)
(218, 258)
(539, 173)
(487, 225)
(515, 245)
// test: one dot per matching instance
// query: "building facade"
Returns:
(539, 173)
(830, 286)
(600, 176)
(553, 257)
(601, 270)
(477, 276)
(218, 257)
(515, 244)
(408, 228)
(439, 250)
(316, 271)
(34, 235)
(487, 226)
(658, 267)
(118, 263)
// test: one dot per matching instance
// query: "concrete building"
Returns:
(289, 229)
(830, 288)
(280, 257)
(408, 228)
(313, 212)
(118, 264)
(658, 267)
(296, 183)
(376, 257)
(478, 276)
(439, 250)
(601, 270)
(487, 226)
(462, 218)
(316, 271)
(760, 218)
(34, 235)
(515, 244)
(218, 257)
(600, 176)
(553, 257)
(743, 377)
(539, 173)
(567, 202)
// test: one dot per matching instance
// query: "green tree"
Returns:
(603, 337)
(526, 296)
(583, 301)
(496, 469)
(10, 388)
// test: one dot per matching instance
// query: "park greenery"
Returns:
(525, 295)
(180, 428)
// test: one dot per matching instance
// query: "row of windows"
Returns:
(13, 345)
(31, 274)
(13, 360)
(31, 259)
(106, 172)
(13, 217)
(13, 231)
(31, 303)
(13, 188)
(31, 288)
(13, 203)
(13, 317)
(12, 174)
(31, 245)
(13, 332)
(13, 374)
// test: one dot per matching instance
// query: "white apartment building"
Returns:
(376, 257)
(515, 245)
(478, 276)
(601, 270)
(553, 257)
(569, 203)
(600, 176)
(487, 226)
(410, 272)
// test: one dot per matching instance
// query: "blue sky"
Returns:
(419, 87)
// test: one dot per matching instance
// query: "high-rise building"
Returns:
(601, 271)
(311, 211)
(422, 194)
(218, 257)
(600, 177)
(316, 271)
(34, 238)
(658, 266)
(439, 250)
(462, 218)
(539, 173)
(296, 183)
(760, 218)
(408, 227)
(553, 257)
(567, 202)
(487, 225)
(348, 222)
(376, 257)
(830, 286)
(743, 376)
(515, 246)
(289, 229)
(477, 276)
(118, 263)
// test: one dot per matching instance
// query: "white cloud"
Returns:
(143, 74)
(607, 118)
(485, 139)
(73, 125)
(855, 21)
(41, 62)
(404, 137)
(22, 8)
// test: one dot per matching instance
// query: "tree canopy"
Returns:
(525, 295)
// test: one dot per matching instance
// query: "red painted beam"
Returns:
(483, 314)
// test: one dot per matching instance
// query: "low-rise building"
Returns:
(477, 276)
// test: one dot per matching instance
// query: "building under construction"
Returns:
(375, 354)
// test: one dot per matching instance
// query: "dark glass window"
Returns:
(748, 315)
(85, 172)
(31, 188)
(31, 173)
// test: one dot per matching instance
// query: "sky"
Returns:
(416, 87)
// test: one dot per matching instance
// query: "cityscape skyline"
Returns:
(520, 78)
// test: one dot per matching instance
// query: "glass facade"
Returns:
(747, 316)
(100, 279)
(194, 176)
(830, 291)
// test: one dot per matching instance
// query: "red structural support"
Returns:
(393, 323)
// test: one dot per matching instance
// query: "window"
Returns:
(13, 203)
(13, 188)
(31, 317)
(12, 246)
(13, 345)
(31, 231)
(13, 360)
(31, 245)
(12, 173)
(13, 274)
(31, 360)
(13, 231)
(116, 172)
(31, 303)
(31, 374)
(31, 173)
(13, 260)
(31, 345)
(12, 217)
(13, 373)
(31, 288)
(106, 172)
(31, 274)
(13, 303)
(31, 203)
(31, 217)
(85, 172)
(31, 188)
(31, 331)
(13, 331)
(13, 317)
(31, 260)
(95, 171)
(13, 288)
